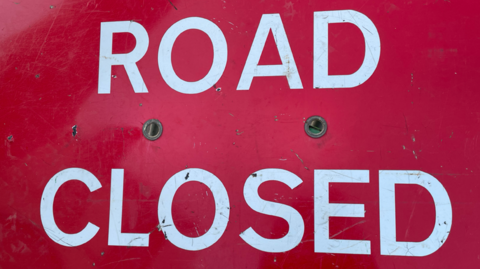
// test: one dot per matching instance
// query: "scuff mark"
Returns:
(133, 240)
(165, 234)
(288, 72)
(289, 7)
(157, 228)
(299, 159)
(175, 9)
(74, 130)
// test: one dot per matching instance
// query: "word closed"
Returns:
(323, 210)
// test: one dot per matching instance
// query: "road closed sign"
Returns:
(239, 134)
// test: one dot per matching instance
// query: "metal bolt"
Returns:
(315, 126)
(152, 129)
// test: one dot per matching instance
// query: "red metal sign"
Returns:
(194, 134)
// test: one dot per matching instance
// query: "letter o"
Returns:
(220, 53)
(222, 209)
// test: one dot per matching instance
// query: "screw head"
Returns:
(152, 129)
(315, 126)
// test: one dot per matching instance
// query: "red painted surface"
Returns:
(418, 111)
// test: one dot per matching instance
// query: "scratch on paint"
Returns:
(349, 227)
(172, 5)
(46, 36)
(299, 159)
(131, 259)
